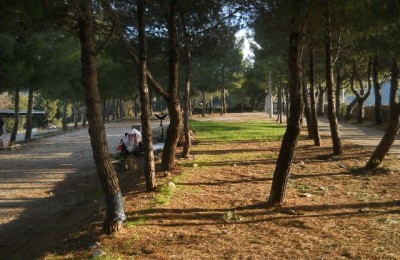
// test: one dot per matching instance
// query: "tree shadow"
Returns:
(231, 151)
(69, 214)
(260, 212)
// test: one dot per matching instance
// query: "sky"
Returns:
(246, 34)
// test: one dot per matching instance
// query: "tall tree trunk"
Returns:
(287, 101)
(377, 91)
(203, 94)
(314, 119)
(307, 107)
(135, 108)
(121, 108)
(188, 142)
(321, 100)
(14, 132)
(337, 143)
(149, 167)
(84, 117)
(280, 103)
(115, 213)
(168, 156)
(113, 109)
(242, 100)
(28, 131)
(394, 123)
(76, 114)
(338, 91)
(290, 138)
(64, 114)
(104, 109)
(222, 101)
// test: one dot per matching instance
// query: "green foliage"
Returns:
(230, 131)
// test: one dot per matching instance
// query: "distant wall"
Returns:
(369, 113)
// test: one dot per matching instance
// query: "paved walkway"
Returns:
(367, 136)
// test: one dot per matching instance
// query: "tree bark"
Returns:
(76, 111)
(307, 107)
(337, 92)
(280, 103)
(360, 96)
(349, 109)
(14, 132)
(28, 131)
(188, 142)
(222, 100)
(290, 138)
(64, 114)
(168, 156)
(203, 93)
(149, 166)
(314, 119)
(337, 144)
(84, 117)
(393, 127)
(321, 101)
(135, 107)
(115, 214)
(377, 91)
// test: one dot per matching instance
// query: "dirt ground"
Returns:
(49, 203)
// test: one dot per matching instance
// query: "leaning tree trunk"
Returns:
(14, 132)
(377, 91)
(360, 96)
(314, 119)
(149, 167)
(29, 126)
(394, 123)
(349, 109)
(337, 144)
(290, 138)
(115, 213)
(168, 156)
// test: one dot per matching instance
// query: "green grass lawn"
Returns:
(237, 131)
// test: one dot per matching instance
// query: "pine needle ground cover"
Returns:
(217, 206)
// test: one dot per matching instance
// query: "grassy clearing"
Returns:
(167, 191)
(252, 130)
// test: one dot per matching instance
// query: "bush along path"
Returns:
(214, 206)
